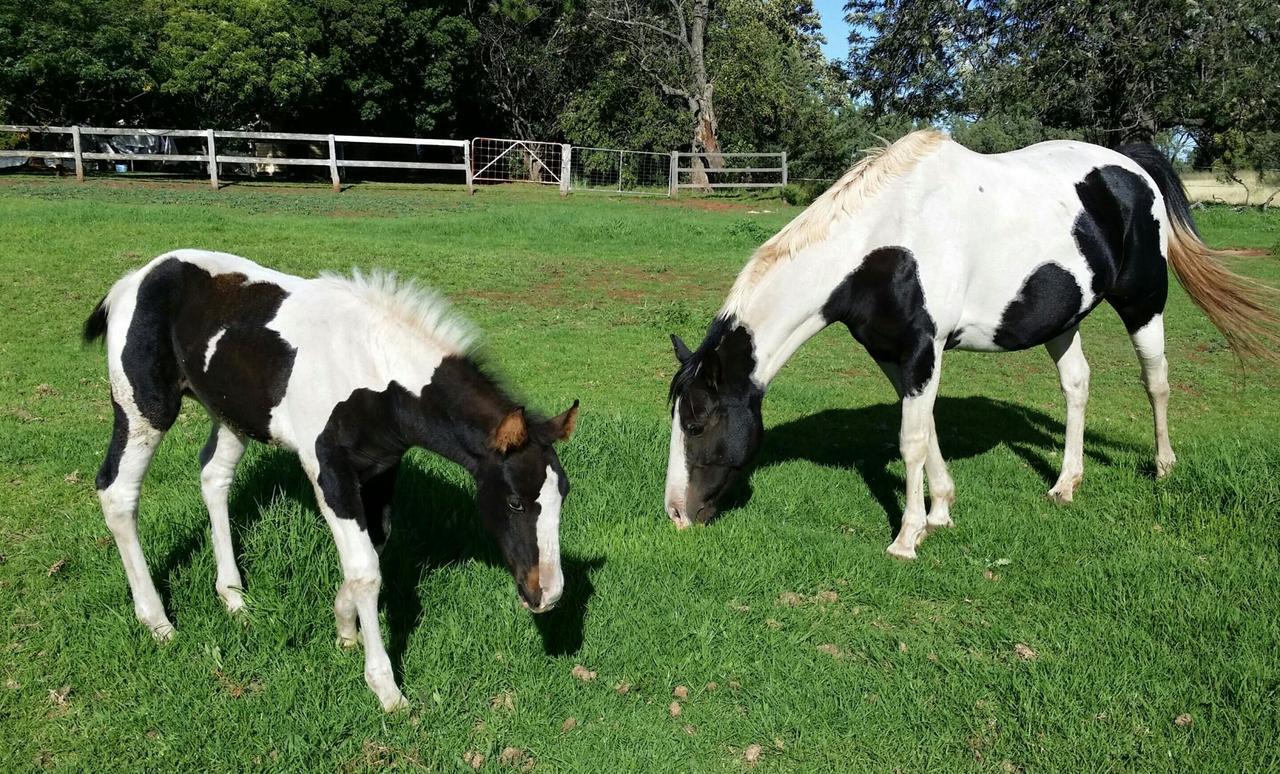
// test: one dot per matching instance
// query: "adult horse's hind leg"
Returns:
(942, 490)
(913, 440)
(1073, 375)
(218, 460)
(1148, 341)
(133, 443)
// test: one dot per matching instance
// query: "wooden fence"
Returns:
(729, 176)
(212, 157)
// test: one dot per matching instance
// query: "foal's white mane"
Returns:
(879, 167)
(408, 305)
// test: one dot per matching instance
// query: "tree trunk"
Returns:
(705, 127)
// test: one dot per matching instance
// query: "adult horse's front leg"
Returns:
(913, 441)
(1073, 374)
(942, 490)
(338, 495)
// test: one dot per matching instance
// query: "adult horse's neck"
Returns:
(780, 311)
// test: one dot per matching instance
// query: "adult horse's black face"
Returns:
(520, 489)
(716, 429)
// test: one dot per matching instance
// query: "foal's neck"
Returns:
(457, 412)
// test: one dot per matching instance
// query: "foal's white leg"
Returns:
(1149, 343)
(1073, 375)
(120, 509)
(942, 490)
(913, 440)
(218, 460)
(358, 597)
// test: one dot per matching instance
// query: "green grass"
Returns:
(1143, 600)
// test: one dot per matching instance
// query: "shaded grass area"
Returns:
(1031, 635)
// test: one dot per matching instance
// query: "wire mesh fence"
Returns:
(615, 170)
(496, 160)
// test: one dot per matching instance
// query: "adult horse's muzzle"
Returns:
(537, 598)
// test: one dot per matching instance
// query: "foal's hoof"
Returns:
(163, 632)
(935, 523)
(898, 552)
(396, 703)
(348, 643)
(232, 601)
(1061, 495)
(1165, 467)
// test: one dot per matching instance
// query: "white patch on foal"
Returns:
(212, 347)
(549, 572)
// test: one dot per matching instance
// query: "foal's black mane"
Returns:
(689, 368)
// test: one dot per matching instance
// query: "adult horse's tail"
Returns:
(96, 326)
(1245, 311)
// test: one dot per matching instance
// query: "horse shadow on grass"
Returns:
(434, 524)
(865, 440)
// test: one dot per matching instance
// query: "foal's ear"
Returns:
(711, 368)
(511, 433)
(682, 352)
(562, 426)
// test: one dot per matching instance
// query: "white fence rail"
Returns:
(334, 159)
(483, 159)
(619, 171)
(739, 170)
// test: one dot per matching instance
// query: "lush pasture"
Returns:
(1032, 635)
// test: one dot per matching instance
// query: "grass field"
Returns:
(1031, 635)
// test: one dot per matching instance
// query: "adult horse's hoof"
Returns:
(395, 703)
(163, 632)
(898, 552)
(347, 643)
(1061, 495)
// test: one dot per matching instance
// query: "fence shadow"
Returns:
(434, 523)
(865, 440)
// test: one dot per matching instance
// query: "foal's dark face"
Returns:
(520, 489)
(716, 430)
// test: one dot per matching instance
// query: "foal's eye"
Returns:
(513, 502)
(694, 430)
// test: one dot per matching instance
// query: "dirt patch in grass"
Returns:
(627, 284)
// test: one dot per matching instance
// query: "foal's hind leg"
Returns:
(942, 490)
(1149, 343)
(1073, 374)
(133, 443)
(218, 460)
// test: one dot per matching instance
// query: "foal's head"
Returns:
(716, 426)
(520, 488)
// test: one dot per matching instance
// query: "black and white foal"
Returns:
(346, 372)
(927, 246)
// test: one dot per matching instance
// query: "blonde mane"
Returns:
(409, 305)
(864, 180)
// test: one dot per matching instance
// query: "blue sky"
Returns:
(834, 28)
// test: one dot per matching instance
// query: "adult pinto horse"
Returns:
(349, 373)
(926, 246)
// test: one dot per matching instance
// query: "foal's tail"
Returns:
(1245, 311)
(96, 326)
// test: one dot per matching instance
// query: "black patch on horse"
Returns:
(1047, 304)
(148, 358)
(1119, 236)
(882, 303)
(115, 450)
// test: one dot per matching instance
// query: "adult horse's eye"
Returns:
(513, 502)
(693, 430)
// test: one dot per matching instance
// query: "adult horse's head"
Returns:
(520, 488)
(716, 425)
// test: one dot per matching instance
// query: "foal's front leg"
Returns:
(338, 495)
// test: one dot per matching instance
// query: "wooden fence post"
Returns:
(466, 159)
(784, 169)
(566, 167)
(673, 179)
(213, 158)
(333, 165)
(75, 144)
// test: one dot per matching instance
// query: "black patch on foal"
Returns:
(1119, 236)
(882, 303)
(115, 450)
(1047, 304)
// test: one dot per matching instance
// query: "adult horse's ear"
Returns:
(682, 352)
(563, 425)
(511, 433)
(710, 369)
